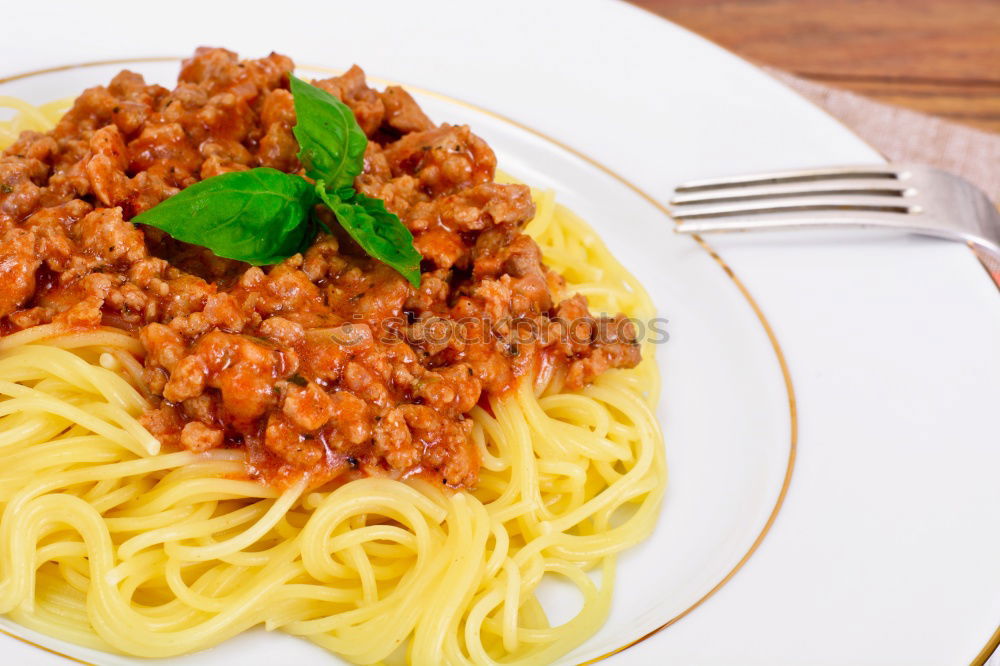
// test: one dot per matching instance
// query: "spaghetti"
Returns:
(110, 542)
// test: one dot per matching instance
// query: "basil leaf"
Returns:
(379, 233)
(331, 144)
(261, 216)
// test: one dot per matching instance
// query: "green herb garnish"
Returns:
(376, 230)
(263, 216)
(331, 144)
(298, 380)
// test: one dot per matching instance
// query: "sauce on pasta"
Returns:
(328, 365)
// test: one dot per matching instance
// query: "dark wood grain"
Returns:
(937, 56)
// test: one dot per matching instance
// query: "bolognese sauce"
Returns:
(330, 363)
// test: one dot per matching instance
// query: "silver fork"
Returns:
(906, 197)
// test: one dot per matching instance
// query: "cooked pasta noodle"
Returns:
(108, 542)
(29, 117)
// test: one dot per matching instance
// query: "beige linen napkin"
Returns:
(908, 136)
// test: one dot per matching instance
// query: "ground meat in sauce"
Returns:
(329, 363)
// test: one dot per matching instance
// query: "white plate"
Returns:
(885, 548)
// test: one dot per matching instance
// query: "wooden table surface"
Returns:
(941, 57)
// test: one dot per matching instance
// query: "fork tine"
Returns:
(877, 186)
(836, 202)
(793, 219)
(880, 171)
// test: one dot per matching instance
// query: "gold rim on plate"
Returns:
(768, 330)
